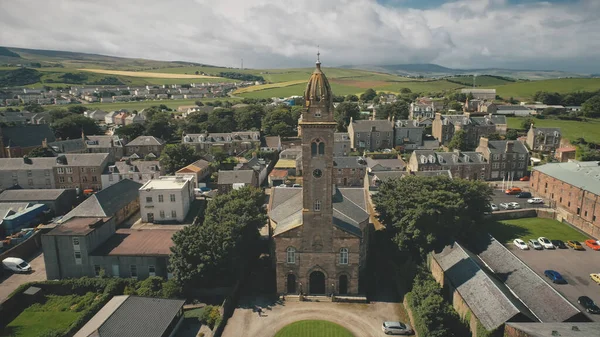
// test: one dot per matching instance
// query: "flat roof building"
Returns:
(166, 199)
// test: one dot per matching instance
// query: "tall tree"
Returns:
(351, 98)
(249, 118)
(161, 125)
(398, 110)
(459, 141)
(71, 127)
(591, 107)
(77, 109)
(131, 131)
(176, 156)
(343, 112)
(221, 120)
(368, 95)
(279, 122)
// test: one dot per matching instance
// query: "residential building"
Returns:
(574, 189)
(144, 146)
(109, 118)
(235, 179)
(341, 144)
(97, 115)
(113, 145)
(391, 164)
(134, 119)
(507, 159)
(58, 200)
(140, 171)
(119, 118)
(482, 94)
(81, 171)
(200, 169)
(278, 177)
(15, 117)
(65, 146)
(17, 141)
(461, 164)
(424, 107)
(349, 171)
(543, 139)
(231, 143)
(134, 316)
(408, 134)
(565, 154)
(517, 110)
(376, 178)
(444, 127)
(563, 329)
(260, 165)
(371, 135)
(166, 199)
(271, 144)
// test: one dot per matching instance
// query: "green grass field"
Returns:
(532, 228)
(525, 90)
(173, 104)
(313, 328)
(589, 129)
(480, 81)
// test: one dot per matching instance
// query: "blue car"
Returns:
(555, 276)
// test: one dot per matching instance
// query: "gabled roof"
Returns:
(31, 195)
(499, 146)
(273, 142)
(103, 141)
(349, 162)
(27, 135)
(236, 176)
(146, 140)
(380, 125)
(546, 130)
(196, 166)
(136, 166)
(570, 329)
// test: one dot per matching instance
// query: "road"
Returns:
(574, 266)
(10, 282)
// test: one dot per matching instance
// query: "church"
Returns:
(320, 230)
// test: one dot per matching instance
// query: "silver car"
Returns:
(396, 328)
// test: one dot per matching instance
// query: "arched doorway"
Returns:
(343, 285)
(317, 282)
(291, 284)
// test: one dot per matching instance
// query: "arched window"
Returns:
(317, 147)
(317, 205)
(344, 256)
(313, 149)
(291, 255)
(321, 148)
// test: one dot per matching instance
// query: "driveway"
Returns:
(574, 266)
(363, 320)
(499, 197)
(10, 282)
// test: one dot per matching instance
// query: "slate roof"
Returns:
(139, 166)
(41, 163)
(130, 242)
(387, 175)
(84, 159)
(273, 142)
(145, 141)
(381, 125)
(584, 175)
(540, 298)
(132, 316)
(408, 123)
(570, 329)
(434, 173)
(349, 162)
(107, 202)
(450, 158)
(236, 176)
(349, 209)
(222, 137)
(485, 296)
(499, 146)
(103, 141)
(546, 130)
(513, 107)
(31, 195)
(27, 135)
(489, 120)
(385, 164)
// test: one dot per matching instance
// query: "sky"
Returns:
(517, 34)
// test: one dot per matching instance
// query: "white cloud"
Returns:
(266, 33)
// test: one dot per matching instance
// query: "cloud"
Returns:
(266, 33)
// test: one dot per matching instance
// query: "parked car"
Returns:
(505, 205)
(524, 195)
(16, 265)
(588, 304)
(534, 244)
(514, 190)
(396, 328)
(575, 245)
(520, 244)
(536, 201)
(558, 244)
(296, 185)
(201, 190)
(514, 205)
(525, 178)
(555, 276)
(595, 245)
(545, 242)
(493, 207)
(595, 277)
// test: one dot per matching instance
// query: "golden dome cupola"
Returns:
(318, 89)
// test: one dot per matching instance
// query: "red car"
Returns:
(595, 245)
(525, 178)
(514, 190)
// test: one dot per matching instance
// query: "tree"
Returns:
(405, 91)
(398, 110)
(443, 210)
(199, 103)
(343, 112)
(470, 96)
(131, 131)
(494, 136)
(279, 122)
(368, 95)
(552, 111)
(176, 156)
(376, 100)
(40, 152)
(591, 107)
(511, 134)
(526, 124)
(459, 141)
(221, 120)
(351, 98)
(160, 125)
(33, 107)
(77, 109)
(249, 118)
(219, 250)
(455, 106)
(72, 126)
(56, 114)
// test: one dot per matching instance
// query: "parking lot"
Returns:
(499, 197)
(574, 266)
(9, 282)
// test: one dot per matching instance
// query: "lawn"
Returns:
(532, 228)
(56, 314)
(590, 129)
(313, 328)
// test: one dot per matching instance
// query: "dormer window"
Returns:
(423, 160)
(431, 159)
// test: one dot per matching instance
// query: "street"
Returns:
(10, 282)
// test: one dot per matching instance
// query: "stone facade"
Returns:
(507, 159)
(444, 127)
(543, 139)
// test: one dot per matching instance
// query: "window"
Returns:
(70, 179)
(162, 214)
(94, 179)
(569, 204)
(110, 177)
(160, 198)
(357, 134)
(47, 173)
(521, 165)
(30, 182)
(317, 205)
(83, 169)
(133, 271)
(344, 256)
(76, 245)
(29, 174)
(77, 257)
(172, 197)
(61, 179)
(97, 270)
(93, 169)
(173, 213)
(47, 181)
(69, 170)
(318, 114)
(148, 199)
(578, 211)
(60, 170)
(496, 165)
(291, 255)
(585, 214)
(594, 218)
(151, 270)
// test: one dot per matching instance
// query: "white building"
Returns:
(166, 199)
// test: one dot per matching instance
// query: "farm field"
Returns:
(484, 80)
(590, 129)
(532, 228)
(525, 90)
(173, 104)
(144, 74)
(298, 89)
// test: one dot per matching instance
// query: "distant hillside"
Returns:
(436, 71)
(5, 52)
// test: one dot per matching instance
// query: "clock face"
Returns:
(317, 173)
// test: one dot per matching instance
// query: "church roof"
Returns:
(349, 209)
(318, 87)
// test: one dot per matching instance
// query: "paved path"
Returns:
(363, 320)
(10, 282)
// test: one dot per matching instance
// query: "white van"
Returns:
(16, 265)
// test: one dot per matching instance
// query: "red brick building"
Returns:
(574, 189)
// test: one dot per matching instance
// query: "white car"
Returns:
(396, 328)
(16, 265)
(536, 201)
(534, 244)
(544, 242)
(521, 244)
(514, 205)
(506, 205)
(493, 207)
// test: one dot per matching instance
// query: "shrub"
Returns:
(171, 289)
(211, 316)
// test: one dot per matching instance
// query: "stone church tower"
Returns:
(318, 230)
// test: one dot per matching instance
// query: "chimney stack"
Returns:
(510, 146)
(484, 142)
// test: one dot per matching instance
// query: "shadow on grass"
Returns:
(10, 331)
(504, 232)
